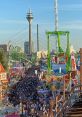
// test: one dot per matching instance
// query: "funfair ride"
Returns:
(60, 50)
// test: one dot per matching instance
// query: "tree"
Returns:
(17, 54)
(3, 58)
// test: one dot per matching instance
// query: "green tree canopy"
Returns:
(17, 54)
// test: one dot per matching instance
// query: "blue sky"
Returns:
(14, 26)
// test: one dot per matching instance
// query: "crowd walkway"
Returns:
(76, 109)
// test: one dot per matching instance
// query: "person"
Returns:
(6, 113)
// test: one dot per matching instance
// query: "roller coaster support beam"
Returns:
(48, 60)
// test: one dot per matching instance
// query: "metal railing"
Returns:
(70, 98)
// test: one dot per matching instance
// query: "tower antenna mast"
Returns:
(56, 22)
(56, 15)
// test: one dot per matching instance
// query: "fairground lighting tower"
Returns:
(56, 15)
(56, 21)
(29, 17)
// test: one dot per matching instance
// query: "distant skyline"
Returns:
(14, 25)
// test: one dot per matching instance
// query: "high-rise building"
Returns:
(4, 47)
(26, 47)
(32, 46)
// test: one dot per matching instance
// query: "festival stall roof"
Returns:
(2, 70)
(43, 91)
(13, 115)
(4, 81)
(3, 74)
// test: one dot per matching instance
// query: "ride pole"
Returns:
(64, 88)
(80, 68)
(58, 40)
(48, 47)
(68, 46)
